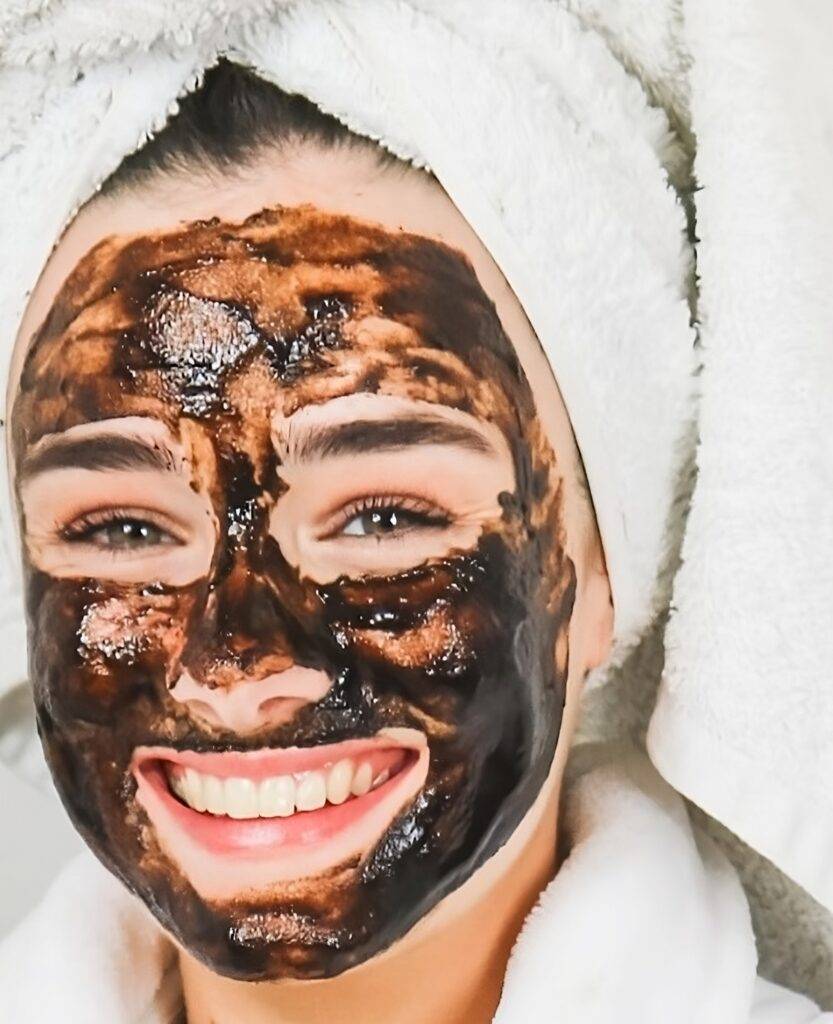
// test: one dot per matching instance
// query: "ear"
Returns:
(591, 625)
(600, 601)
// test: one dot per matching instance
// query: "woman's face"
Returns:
(298, 580)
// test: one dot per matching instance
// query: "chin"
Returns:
(255, 825)
(319, 925)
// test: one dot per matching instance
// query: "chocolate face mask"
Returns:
(296, 679)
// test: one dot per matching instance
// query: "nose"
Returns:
(247, 705)
(243, 667)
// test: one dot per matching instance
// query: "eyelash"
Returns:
(80, 530)
(434, 516)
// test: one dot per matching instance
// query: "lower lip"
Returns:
(258, 836)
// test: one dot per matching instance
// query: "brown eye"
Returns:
(122, 535)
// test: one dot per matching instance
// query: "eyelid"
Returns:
(336, 521)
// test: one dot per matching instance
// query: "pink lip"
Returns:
(254, 836)
(224, 855)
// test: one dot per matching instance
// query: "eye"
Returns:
(118, 532)
(386, 517)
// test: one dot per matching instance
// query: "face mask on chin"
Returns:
(296, 582)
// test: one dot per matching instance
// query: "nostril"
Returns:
(202, 709)
(282, 706)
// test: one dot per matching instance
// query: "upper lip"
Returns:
(270, 761)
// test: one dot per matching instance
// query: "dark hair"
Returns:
(231, 117)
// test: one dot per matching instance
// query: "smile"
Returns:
(280, 796)
(289, 812)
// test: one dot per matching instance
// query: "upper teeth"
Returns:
(277, 796)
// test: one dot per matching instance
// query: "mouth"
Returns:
(281, 814)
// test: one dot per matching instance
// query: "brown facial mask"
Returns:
(213, 331)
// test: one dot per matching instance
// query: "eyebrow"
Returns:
(360, 436)
(102, 452)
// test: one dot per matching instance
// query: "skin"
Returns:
(378, 322)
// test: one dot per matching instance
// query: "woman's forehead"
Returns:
(276, 263)
(292, 306)
(341, 181)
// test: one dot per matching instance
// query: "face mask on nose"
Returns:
(298, 626)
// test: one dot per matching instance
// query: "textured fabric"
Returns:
(645, 922)
(744, 718)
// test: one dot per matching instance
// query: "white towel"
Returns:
(744, 721)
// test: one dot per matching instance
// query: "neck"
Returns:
(473, 929)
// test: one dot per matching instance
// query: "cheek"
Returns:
(432, 665)
(92, 651)
(447, 633)
(119, 630)
(441, 639)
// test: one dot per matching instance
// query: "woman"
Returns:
(314, 579)
(354, 588)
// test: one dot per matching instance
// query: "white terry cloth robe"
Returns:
(571, 190)
(645, 923)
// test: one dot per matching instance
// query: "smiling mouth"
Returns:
(296, 810)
